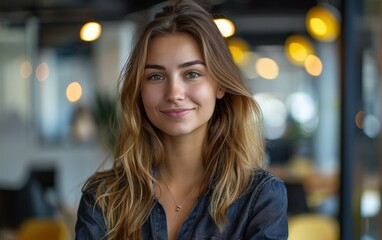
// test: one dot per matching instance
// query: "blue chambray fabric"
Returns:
(259, 213)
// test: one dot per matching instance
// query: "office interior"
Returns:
(314, 66)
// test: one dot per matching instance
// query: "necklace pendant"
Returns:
(178, 207)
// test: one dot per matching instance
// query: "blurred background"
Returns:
(313, 65)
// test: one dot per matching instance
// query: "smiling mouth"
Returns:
(176, 113)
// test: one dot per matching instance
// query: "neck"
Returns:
(184, 160)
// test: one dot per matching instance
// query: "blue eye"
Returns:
(192, 75)
(155, 77)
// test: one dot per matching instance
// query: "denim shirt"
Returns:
(259, 213)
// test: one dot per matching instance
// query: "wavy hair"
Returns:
(235, 141)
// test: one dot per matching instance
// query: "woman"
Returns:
(190, 149)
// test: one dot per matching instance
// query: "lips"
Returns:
(176, 113)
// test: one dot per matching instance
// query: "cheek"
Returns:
(205, 95)
(148, 96)
(148, 105)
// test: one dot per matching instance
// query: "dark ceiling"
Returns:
(63, 10)
(60, 20)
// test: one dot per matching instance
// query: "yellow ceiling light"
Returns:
(313, 65)
(74, 92)
(267, 68)
(322, 23)
(90, 31)
(239, 49)
(297, 49)
(359, 117)
(42, 72)
(225, 26)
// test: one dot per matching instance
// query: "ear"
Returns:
(220, 93)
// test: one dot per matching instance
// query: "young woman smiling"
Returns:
(188, 164)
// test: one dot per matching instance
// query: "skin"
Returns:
(179, 97)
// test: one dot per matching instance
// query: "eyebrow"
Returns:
(183, 65)
(187, 64)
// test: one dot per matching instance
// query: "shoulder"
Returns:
(90, 223)
(95, 186)
(267, 214)
(89, 192)
(266, 187)
(261, 179)
(97, 183)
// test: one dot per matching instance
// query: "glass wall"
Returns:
(361, 119)
(295, 75)
(300, 106)
(369, 121)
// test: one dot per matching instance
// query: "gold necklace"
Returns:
(178, 204)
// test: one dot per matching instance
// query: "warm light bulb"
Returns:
(359, 117)
(239, 48)
(42, 72)
(225, 26)
(297, 49)
(313, 65)
(322, 23)
(74, 92)
(90, 31)
(267, 68)
(318, 26)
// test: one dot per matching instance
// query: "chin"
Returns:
(173, 133)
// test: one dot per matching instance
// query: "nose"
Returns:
(175, 90)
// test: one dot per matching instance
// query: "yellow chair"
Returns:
(313, 227)
(43, 229)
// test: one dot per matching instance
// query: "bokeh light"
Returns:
(238, 48)
(322, 23)
(90, 31)
(274, 113)
(26, 69)
(359, 119)
(370, 203)
(372, 126)
(225, 26)
(302, 107)
(74, 92)
(42, 72)
(313, 65)
(267, 68)
(297, 49)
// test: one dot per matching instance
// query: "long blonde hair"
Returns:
(235, 141)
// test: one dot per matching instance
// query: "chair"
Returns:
(297, 202)
(43, 229)
(313, 227)
(14, 209)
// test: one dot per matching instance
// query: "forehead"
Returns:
(173, 45)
